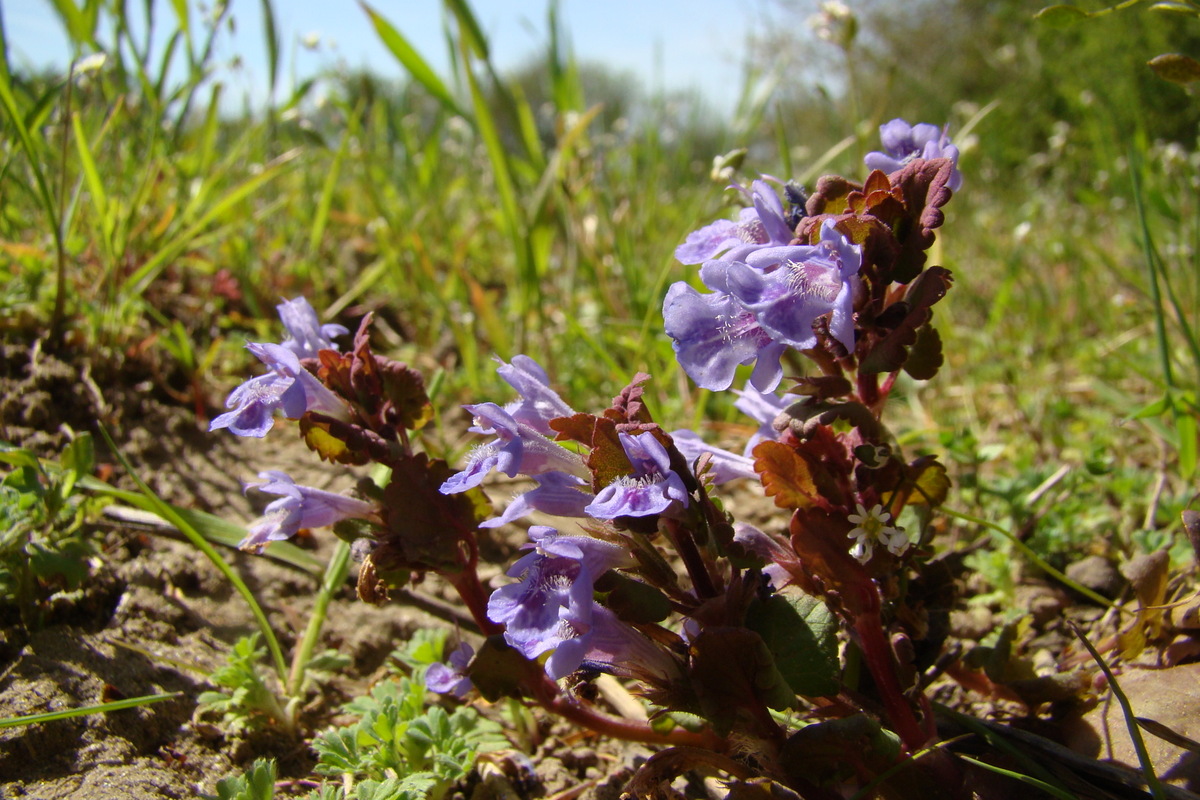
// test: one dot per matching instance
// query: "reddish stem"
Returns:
(868, 390)
(877, 653)
(473, 595)
(685, 546)
(550, 698)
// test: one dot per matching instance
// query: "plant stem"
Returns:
(335, 577)
(466, 583)
(60, 235)
(551, 699)
(877, 654)
(685, 545)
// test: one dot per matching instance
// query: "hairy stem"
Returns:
(685, 545)
(474, 596)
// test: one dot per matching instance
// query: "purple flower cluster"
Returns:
(903, 143)
(522, 447)
(551, 609)
(288, 387)
(765, 298)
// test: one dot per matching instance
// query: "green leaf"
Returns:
(80, 455)
(257, 784)
(66, 562)
(1061, 16)
(20, 457)
(633, 601)
(801, 634)
(733, 671)
(1176, 68)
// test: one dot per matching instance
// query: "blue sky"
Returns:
(671, 44)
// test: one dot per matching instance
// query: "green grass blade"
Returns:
(1135, 732)
(417, 67)
(5, 72)
(32, 152)
(102, 708)
(164, 510)
(498, 156)
(335, 577)
(1037, 560)
(271, 32)
(75, 20)
(468, 27)
(1028, 780)
(325, 203)
(94, 183)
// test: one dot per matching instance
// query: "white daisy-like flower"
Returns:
(871, 528)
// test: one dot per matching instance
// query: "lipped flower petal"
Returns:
(713, 333)
(307, 336)
(903, 143)
(298, 507)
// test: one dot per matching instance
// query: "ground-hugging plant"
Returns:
(43, 543)
(654, 581)
(398, 748)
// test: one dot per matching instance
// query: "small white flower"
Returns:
(871, 527)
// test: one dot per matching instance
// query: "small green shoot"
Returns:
(245, 700)
(258, 783)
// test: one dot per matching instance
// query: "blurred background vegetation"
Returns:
(482, 213)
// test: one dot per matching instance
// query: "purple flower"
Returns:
(726, 466)
(557, 494)
(612, 646)
(763, 408)
(762, 225)
(451, 677)
(903, 142)
(653, 488)
(553, 603)
(517, 450)
(713, 333)
(788, 288)
(539, 403)
(307, 335)
(769, 550)
(288, 387)
(298, 507)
